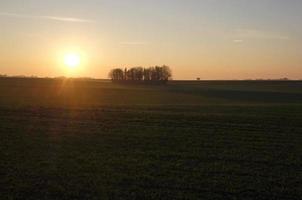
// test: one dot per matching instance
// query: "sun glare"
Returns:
(72, 60)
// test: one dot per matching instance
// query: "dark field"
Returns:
(77, 139)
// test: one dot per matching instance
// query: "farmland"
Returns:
(92, 139)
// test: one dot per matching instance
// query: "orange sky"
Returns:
(206, 39)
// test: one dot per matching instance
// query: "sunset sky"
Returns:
(210, 39)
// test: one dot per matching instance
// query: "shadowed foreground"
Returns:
(92, 140)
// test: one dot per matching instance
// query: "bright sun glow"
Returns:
(72, 60)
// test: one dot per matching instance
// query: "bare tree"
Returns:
(140, 73)
(116, 74)
(147, 74)
(154, 74)
(166, 73)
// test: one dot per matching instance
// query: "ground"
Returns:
(91, 139)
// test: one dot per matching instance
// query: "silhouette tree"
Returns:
(147, 74)
(153, 73)
(138, 74)
(116, 74)
(166, 73)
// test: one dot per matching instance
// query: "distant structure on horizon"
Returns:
(156, 75)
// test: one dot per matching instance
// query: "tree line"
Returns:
(138, 74)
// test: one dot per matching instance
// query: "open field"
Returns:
(72, 139)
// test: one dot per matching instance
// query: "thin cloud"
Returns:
(238, 41)
(259, 34)
(133, 43)
(54, 18)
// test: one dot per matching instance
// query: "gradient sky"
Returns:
(210, 39)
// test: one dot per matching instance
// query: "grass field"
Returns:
(72, 139)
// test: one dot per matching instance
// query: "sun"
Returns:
(72, 60)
